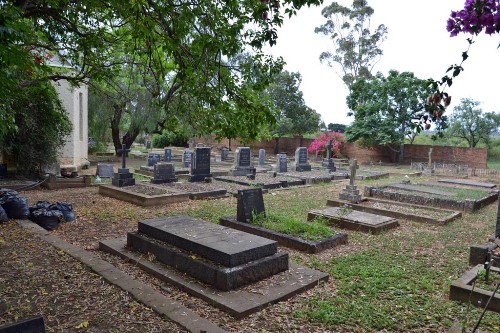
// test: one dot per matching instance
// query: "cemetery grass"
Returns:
(397, 281)
(314, 230)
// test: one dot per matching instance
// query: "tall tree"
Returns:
(356, 47)
(340, 128)
(293, 115)
(468, 122)
(386, 109)
(183, 45)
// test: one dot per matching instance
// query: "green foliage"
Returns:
(339, 128)
(386, 109)
(42, 125)
(468, 122)
(357, 49)
(293, 115)
(167, 138)
(314, 230)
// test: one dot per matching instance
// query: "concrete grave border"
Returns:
(287, 240)
(121, 193)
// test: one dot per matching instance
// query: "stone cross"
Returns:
(353, 167)
(124, 152)
(430, 158)
(329, 147)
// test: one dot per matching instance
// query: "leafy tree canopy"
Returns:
(340, 128)
(468, 122)
(356, 47)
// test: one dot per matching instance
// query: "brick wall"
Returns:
(473, 157)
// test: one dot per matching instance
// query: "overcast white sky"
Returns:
(417, 41)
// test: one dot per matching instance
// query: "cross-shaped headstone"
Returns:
(329, 147)
(354, 165)
(124, 152)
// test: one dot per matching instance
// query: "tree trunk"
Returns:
(276, 145)
(115, 128)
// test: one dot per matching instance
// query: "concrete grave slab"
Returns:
(238, 303)
(127, 194)
(354, 220)
(468, 183)
(422, 189)
(30, 325)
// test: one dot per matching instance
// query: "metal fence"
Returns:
(455, 169)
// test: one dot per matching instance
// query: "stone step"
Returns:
(222, 245)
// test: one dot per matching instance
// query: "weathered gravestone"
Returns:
(187, 157)
(224, 154)
(242, 162)
(153, 158)
(250, 203)
(123, 177)
(168, 155)
(281, 163)
(262, 157)
(104, 170)
(148, 144)
(31, 325)
(163, 173)
(301, 160)
(351, 193)
(200, 166)
(328, 161)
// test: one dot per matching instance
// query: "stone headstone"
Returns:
(351, 193)
(168, 155)
(148, 144)
(187, 157)
(328, 161)
(242, 162)
(250, 202)
(200, 166)
(31, 325)
(153, 158)
(191, 144)
(163, 173)
(281, 163)
(224, 154)
(123, 177)
(104, 170)
(218, 158)
(262, 157)
(301, 160)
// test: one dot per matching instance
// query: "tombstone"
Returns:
(328, 161)
(250, 203)
(148, 144)
(163, 173)
(168, 155)
(301, 160)
(191, 144)
(200, 166)
(218, 158)
(281, 163)
(224, 153)
(104, 170)
(262, 157)
(31, 325)
(187, 157)
(153, 159)
(242, 162)
(351, 193)
(123, 177)
(200, 145)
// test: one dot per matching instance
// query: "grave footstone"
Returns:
(104, 170)
(242, 162)
(168, 155)
(262, 157)
(31, 325)
(123, 177)
(351, 193)
(301, 160)
(281, 163)
(153, 158)
(328, 161)
(250, 203)
(163, 173)
(200, 166)
(187, 157)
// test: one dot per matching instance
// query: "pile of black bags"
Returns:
(45, 214)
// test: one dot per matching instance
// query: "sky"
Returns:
(417, 41)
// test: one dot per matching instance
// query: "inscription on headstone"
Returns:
(262, 157)
(301, 160)
(242, 162)
(250, 203)
(281, 163)
(168, 155)
(224, 153)
(153, 158)
(163, 173)
(187, 157)
(244, 157)
(200, 166)
(104, 170)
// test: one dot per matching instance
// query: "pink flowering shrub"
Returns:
(476, 16)
(318, 146)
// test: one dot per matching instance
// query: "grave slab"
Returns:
(238, 303)
(467, 182)
(422, 189)
(30, 325)
(140, 199)
(104, 170)
(220, 244)
(355, 220)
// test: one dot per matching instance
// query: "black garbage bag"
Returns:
(47, 219)
(16, 208)
(40, 204)
(66, 209)
(6, 193)
(3, 215)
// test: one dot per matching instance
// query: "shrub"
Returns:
(318, 146)
(166, 139)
